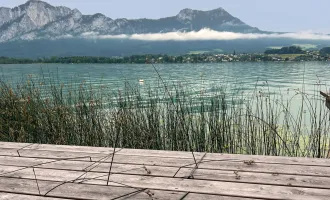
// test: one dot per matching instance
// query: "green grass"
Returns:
(163, 118)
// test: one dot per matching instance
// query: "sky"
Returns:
(268, 15)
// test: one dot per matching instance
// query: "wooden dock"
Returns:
(52, 172)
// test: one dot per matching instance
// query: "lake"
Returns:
(278, 77)
(286, 82)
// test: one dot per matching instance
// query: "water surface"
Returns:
(277, 76)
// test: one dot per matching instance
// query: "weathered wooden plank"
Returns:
(139, 152)
(83, 191)
(119, 159)
(53, 175)
(154, 195)
(54, 164)
(66, 148)
(219, 176)
(181, 185)
(97, 192)
(143, 195)
(221, 188)
(267, 168)
(13, 145)
(270, 159)
(52, 147)
(59, 190)
(244, 177)
(60, 153)
(8, 152)
(10, 196)
(150, 160)
(21, 161)
(8, 169)
(162, 161)
(116, 168)
(87, 166)
(101, 150)
(194, 196)
(265, 178)
(65, 175)
(125, 159)
(25, 186)
(106, 150)
(181, 154)
(52, 154)
(161, 153)
(210, 156)
(258, 178)
(138, 162)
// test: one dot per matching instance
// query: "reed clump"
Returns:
(168, 117)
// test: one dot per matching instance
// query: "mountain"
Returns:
(37, 29)
(39, 20)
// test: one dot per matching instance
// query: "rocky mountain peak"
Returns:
(76, 14)
(32, 4)
(39, 20)
(99, 15)
(186, 14)
(190, 14)
(219, 12)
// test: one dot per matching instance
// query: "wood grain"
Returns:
(40, 172)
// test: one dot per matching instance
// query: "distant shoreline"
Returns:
(171, 59)
(164, 63)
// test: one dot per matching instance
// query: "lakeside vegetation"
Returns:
(164, 118)
(286, 50)
(293, 53)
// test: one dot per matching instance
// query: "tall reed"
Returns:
(167, 117)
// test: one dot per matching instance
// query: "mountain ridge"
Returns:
(39, 20)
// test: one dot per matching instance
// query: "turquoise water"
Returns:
(274, 76)
(291, 83)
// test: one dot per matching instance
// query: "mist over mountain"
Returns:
(36, 29)
(40, 20)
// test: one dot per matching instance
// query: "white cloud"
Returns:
(122, 36)
(207, 34)
(65, 36)
(96, 35)
(89, 34)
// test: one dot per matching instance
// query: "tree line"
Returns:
(286, 50)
